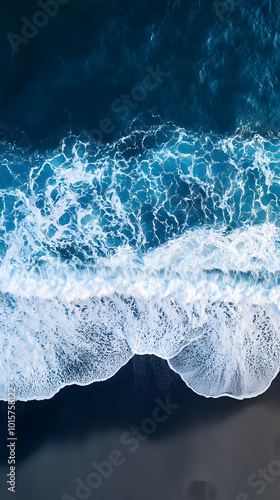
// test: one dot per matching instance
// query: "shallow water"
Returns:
(139, 192)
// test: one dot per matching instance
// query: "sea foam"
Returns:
(170, 249)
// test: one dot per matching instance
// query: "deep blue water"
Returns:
(139, 192)
(224, 74)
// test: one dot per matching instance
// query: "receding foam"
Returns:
(174, 252)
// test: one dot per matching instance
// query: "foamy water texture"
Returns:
(162, 243)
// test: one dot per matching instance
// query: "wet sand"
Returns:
(143, 435)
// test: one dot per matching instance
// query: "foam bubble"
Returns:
(172, 252)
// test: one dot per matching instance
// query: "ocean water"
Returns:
(160, 236)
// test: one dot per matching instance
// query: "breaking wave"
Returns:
(165, 242)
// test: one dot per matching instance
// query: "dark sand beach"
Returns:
(140, 213)
(205, 448)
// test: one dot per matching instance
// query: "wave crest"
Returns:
(112, 251)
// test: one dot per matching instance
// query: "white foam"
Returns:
(83, 289)
(61, 329)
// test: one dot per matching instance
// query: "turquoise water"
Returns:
(163, 236)
(165, 242)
